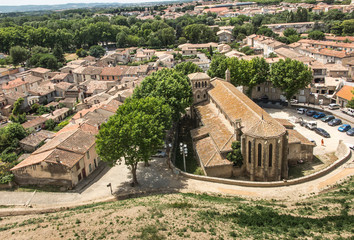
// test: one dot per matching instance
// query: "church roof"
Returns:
(236, 105)
(198, 76)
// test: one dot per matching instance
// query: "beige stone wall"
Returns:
(299, 152)
(224, 171)
(44, 173)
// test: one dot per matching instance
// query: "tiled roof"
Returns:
(236, 105)
(346, 92)
(60, 76)
(114, 71)
(40, 70)
(14, 83)
(296, 137)
(198, 76)
(36, 138)
(34, 122)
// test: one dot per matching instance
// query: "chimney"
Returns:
(227, 75)
(80, 115)
(57, 159)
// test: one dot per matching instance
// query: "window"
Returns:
(90, 167)
(112, 77)
(259, 154)
(79, 176)
(258, 89)
(198, 96)
(249, 151)
(202, 84)
(302, 92)
(266, 89)
(273, 90)
(196, 85)
(270, 155)
(88, 155)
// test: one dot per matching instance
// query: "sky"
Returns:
(52, 2)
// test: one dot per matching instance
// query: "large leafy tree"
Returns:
(97, 51)
(170, 85)
(134, 133)
(290, 76)
(199, 33)
(218, 66)
(187, 68)
(18, 55)
(248, 73)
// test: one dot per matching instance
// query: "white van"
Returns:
(333, 106)
(350, 112)
(311, 125)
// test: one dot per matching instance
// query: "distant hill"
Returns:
(30, 8)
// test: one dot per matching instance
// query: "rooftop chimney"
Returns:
(227, 75)
(57, 159)
(80, 115)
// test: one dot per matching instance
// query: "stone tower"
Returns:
(200, 84)
(227, 75)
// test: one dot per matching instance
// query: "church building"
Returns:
(224, 115)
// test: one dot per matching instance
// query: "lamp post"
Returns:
(184, 151)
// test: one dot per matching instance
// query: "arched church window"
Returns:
(249, 151)
(270, 155)
(196, 85)
(259, 154)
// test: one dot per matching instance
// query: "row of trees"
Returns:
(288, 75)
(138, 128)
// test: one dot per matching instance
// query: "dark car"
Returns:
(350, 132)
(335, 122)
(322, 132)
(311, 113)
(327, 118)
(319, 115)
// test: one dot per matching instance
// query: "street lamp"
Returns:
(183, 151)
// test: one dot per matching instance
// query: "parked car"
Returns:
(311, 125)
(335, 122)
(160, 154)
(333, 106)
(350, 132)
(301, 110)
(327, 118)
(319, 115)
(348, 111)
(322, 132)
(344, 128)
(311, 113)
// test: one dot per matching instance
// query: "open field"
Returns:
(194, 216)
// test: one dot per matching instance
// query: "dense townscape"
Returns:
(253, 94)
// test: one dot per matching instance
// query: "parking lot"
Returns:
(330, 144)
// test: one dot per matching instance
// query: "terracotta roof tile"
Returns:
(346, 92)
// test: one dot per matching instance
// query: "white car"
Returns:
(301, 110)
(333, 106)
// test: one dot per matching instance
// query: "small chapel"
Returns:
(223, 114)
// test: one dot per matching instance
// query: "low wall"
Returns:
(346, 154)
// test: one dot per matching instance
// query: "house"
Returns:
(65, 160)
(40, 72)
(225, 36)
(113, 73)
(344, 95)
(227, 115)
(144, 54)
(83, 73)
(35, 124)
(35, 140)
(62, 77)
(61, 89)
(58, 115)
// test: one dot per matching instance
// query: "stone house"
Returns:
(35, 140)
(40, 72)
(82, 74)
(64, 161)
(35, 124)
(225, 36)
(113, 73)
(344, 95)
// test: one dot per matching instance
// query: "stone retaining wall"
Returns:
(343, 151)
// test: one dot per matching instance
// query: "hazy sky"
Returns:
(49, 2)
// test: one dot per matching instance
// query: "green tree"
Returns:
(316, 35)
(134, 133)
(290, 76)
(17, 109)
(81, 52)
(199, 33)
(187, 68)
(290, 31)
(236, 155)
(170, 85)
(58, 53)
(97, 51)
(218, 66)
(348, 27)
(50, 124)
(18, 55)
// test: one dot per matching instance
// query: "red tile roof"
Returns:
(346, 92)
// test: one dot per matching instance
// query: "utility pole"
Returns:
(184, 152)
